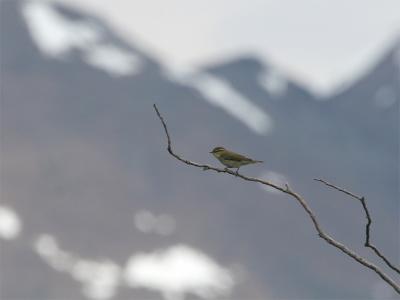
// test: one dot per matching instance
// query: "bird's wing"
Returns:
(236, 157)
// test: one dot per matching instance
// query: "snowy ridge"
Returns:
(56, 36)
(273, 82)
(221, 93)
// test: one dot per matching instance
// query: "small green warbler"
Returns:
(231, 159)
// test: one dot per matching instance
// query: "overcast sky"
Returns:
(319, 42)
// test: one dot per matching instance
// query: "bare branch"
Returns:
(208, 167)
(368, 224)
(297, 197)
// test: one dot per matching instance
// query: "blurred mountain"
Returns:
(372, 100)
(84, 165)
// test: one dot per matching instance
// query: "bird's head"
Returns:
(217, 150)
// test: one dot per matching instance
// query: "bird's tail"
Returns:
(258, 161)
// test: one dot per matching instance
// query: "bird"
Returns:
(231, 159)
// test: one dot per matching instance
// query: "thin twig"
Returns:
(368, 224)
(299, 199)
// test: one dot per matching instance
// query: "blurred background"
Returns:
(93, 206)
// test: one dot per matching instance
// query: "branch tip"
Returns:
(367, 225)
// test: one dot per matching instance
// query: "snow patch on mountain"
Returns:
(222, 94)
(55, 35)
(114, 60)
(177, 271)
(273, 82)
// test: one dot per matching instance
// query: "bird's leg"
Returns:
(237, 171)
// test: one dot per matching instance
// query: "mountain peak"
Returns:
(62, 33)
(251, 72)
(249, 64)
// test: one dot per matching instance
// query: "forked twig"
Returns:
(297, 197)
(367, 242)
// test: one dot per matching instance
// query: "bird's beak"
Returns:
(210, 152)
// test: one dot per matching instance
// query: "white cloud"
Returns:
(56, 36)
(177, 271)
(10, 223)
